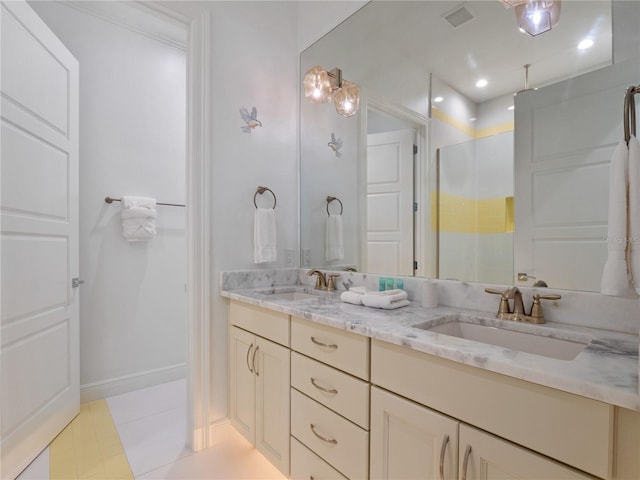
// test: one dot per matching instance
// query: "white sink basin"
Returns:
(557, 348)
(289, 293)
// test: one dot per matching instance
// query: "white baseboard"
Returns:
(128, 383)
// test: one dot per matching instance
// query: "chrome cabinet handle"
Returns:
(331, 441)
(443, 450)
(332, 391)
(321, 344)
(253, 360)
(465, 463)
(249, 353)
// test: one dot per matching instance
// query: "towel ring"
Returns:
(331, 199)
(260, 191)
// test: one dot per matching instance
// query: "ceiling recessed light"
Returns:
(438, 99)
(473, 119)
(511, 107)
(584, 44)
(482, 83)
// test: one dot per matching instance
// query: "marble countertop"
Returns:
(606, 370)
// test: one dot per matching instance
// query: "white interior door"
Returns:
(390, 203)
(562, 175)
(39, 237)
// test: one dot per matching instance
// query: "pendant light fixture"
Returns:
(321, 86)
(535, 17)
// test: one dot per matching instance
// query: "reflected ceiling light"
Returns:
(536, 16)
(511, 108)
(438, 99)
(321, 86)
(473, 119)
(585, 44)
(482, 83)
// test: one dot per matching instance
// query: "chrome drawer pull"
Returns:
(332, 391)
(327, 440)
(325, 345)
(443, 450)
(249, 353)
(465, 463)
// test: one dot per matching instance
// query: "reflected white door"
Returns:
(390, 203)
(39, 238)
(562, 175)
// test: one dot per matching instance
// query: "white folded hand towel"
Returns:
(352, 297)
(634, 212)
(138, 218)
(264, 236)
(615, 280)
(334, 239)
(377, 301)
(393, 299)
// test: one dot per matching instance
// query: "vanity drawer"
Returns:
(266, 323)
(573, 429)
(305, 465)
(344, 350)
(342, 393)
(338, 441)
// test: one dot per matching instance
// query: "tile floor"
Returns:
(152, 428)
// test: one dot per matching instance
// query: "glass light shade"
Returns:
(347, 98)
(317, 86)
(537, 16)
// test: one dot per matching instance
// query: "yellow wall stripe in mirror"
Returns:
(468, 129)
(466, 215)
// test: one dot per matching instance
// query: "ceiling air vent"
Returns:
(458, 17)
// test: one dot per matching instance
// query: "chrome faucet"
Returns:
(518, 313)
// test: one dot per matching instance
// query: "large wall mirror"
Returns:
(438, 175)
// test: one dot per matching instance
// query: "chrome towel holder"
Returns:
(331, 199)
(261, 190)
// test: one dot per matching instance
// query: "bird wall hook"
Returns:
(335, 144)
(251, 119)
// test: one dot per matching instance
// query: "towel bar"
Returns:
(112, 199)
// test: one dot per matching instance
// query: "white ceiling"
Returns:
(401, 36)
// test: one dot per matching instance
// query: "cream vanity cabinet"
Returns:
(448, 408)
(329, 402)
(259, 370)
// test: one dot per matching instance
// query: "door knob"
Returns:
(76, 282)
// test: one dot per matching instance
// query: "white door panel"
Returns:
(562, 175)
(39, 334)
(390, 202)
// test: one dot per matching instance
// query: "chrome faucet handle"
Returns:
(503, 308)
(321, 280)
(331, 284)
(536, 315)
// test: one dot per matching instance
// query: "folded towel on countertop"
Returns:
(264, 236)
(138, 218)
(377, 301)
(352, 297)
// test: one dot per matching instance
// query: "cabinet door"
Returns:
(409, 441)
(483, 456)
(272, 367)
(242, 389)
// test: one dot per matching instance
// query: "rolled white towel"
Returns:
(352, 297)
(379, 301)
(394, 292)
(361, 290)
